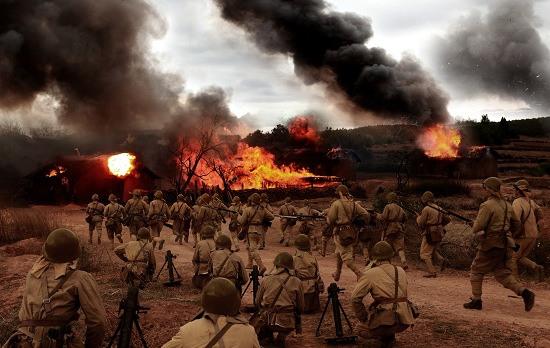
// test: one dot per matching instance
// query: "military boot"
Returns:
(161, 244)
(444, 264)
(474, 304)
(186, 239)
(528, 299)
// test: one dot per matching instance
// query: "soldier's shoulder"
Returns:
(83, 277)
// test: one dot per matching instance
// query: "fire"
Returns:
(304, 128)
(122, 164)
(440, 141)
(56, 171)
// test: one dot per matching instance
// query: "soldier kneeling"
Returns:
(221, 323)
(140, 259)
(226, 264)
(391, 312)
(307, 270)
(281, 302)
(54, 292)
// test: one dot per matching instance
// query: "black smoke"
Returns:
(500, 53)
(92, 56)
(329, 47)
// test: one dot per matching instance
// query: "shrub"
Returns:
(440, 187)
(23, 223)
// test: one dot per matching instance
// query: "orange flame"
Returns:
(56, 171)
(440, 141)
(122, 164)
(304, 128)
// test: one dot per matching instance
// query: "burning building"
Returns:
(76, 178)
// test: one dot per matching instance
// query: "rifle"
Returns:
(301, 217)
(447, 212)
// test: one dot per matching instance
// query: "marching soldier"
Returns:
(306, 269)
(264, 201)
(207, 215)
(326, 233)
(432, 222)
(387, 284)
(341, 216)
(226, 264)
(139, 256)
(95, 217)
(369, 234)
(114, 215)
(221, 325)
(218, 207)
(281, 298)
(495, 226)
(530, 217)
(145, 199)
(307, 225)
(287, 209)
(202, 257)
(237, 209)
(252, 220)
(394, 217)
(136, 213)
(179, 212)
(195, 228)
(54, 293)
(157, 216)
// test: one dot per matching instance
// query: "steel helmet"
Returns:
(391, 197)
(427, 197)
(382, 251)
(220, 296)
(284, 260)
(144, 233)
(95, 197)
(208, 232)
(302, 242)
(223, 241)
(492, 184)
(62, 245)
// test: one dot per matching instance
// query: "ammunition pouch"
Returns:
(347, 234)
(89, 219)
(434, 234)
(199, 281)
(233, 226)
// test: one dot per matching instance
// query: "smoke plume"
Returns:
(92, 56)
(328, 47)
(501, 53)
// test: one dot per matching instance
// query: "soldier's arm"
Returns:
(422, 218)
(260, 294)
(300, 302)
(516, 206)
(120, 251)
(515, 225)
(385, 214)
(268, 215)
(243, 272)
(127, 207)
(149, 210)
(181, 338)
(332, 214)
(243, 218)
(362, 213)
(482, 219)
(362, 289)
(92, 306)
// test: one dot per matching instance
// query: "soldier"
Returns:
(195, 228)
(207, 215)
(139, 256)
(394, 217)
(252, 220)
(221, 323)
(136, 212)
(495, 226)
(54, 293)
(264, 201)
(341, 216)
(280, 298)
(326, 234)
(114, 213)
(157, 216)
(287, 209)
(387, 284)
(307, 225)
(145, 199)
(95, 217)
(218, 207)
(369, 235)
(432, 222)
(226, 264)
(306, 269)
(202, 255)
(179, 212)
(530, 217)
(234, 226)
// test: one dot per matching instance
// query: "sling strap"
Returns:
(218, 335)
(523, 221)
(222, 265)
(279, 293)
(395, 299)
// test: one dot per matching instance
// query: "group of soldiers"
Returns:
(55, 289)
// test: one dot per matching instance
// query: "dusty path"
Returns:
(443, 323)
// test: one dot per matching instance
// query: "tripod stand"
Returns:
(337, 312)
(255, 281)
(168, 260)
(130, 316)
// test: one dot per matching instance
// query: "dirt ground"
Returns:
(443, 321)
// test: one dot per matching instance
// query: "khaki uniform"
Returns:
(234, 226)
(95, 211)
(136, 211)
(290, 301)
(341, 213)
(265, 228)
(180, 212)
(529, 214)
(499, 222)
(307, 226)
(206, 216)
(287, 225)
(80, 291)
(430, 218)
(306, 269)
(226, 264)
(394, 217)
(201, 257)
(197, 333)
(141, 263)
(379, 282)
(114, 214)
(195, 228)
(254, 216)
(157, 216)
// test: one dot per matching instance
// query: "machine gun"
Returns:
(301, 217)
(255, 281)
(337, 312)
(129, 310)
(168, 260)
(450, 213)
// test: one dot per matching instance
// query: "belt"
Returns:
(43, 322)
(256, 224)
(309, 278)
(380, 301)
(284, 310)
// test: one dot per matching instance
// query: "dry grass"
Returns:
(23, 223)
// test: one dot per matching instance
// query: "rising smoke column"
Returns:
(92, 56)
(501, 53)
(328, 47)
